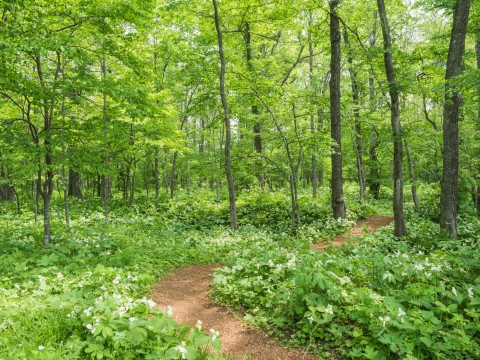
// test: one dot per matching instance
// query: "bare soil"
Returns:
(186, 291)
(370, 225)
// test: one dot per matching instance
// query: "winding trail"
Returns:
(186, 291)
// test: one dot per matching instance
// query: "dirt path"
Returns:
(186, 291)
(370, 224)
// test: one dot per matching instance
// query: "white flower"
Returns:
(132, 319)
(401, 312)
(60, 275)
(215, 334)
(418, 267)
(470, 293)
(169, 311)
(88, 311)
(329, 309)
(310, 319)
(428, 274)
(41, 347)
(182, 350)
(117, 279)
(454, 291)
(199, 325)
(270, 263)
(89, 326)
(384, 320)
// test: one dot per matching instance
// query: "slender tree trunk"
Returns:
(257, 128)
(106, 186)
(400, 228)
(312, 115)
(477, 187)
(226, 109)
(356, 116)
(452, 104)
(157, 180)
(338, 201)
(374, 173)
(413, 178)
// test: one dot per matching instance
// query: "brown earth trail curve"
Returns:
(186, 291)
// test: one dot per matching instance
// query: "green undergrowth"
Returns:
(87, 294)
(415, 298)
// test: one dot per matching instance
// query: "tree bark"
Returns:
(400, 228)
(312, 114)
(356, 116)
(74, 188)
(226, 109)
(453, 101)
(374, 171)
(413, 177)
(477, 187)
(106, 186)
(257, 128)
(338, 201)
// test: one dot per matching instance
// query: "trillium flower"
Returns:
(41, 347)
(470, 293)
(384, 320)
(215, 334)
(199, 325)
(329, 309)
(132, 319)
(401, 312)
(183, 350)
(89, 326)
(454, 291)
(169, 311)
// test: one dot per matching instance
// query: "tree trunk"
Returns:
(7, 192)
(226, 109)
(356, 116)
(312, 114)
(74, 188)
(106, 186)
(257, 128)
(374, 173)
(453, 101)
(400, 228)
(157, 180)
(338, 201)
(477, 187)
(413, 177)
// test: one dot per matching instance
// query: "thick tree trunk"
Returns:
(7, 192)
(338, 201)
(453, 101)
(74, 188)
(400, 228)
(226, 109)
(356, 116)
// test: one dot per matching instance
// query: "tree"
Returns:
(452, 104)
(400, 228)
(228, 131)
(338, 201)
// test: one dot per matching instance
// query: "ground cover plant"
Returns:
(85, 296)
(381, 299)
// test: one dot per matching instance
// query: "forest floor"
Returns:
(186, 291)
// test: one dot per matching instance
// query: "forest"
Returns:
(314, 165)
